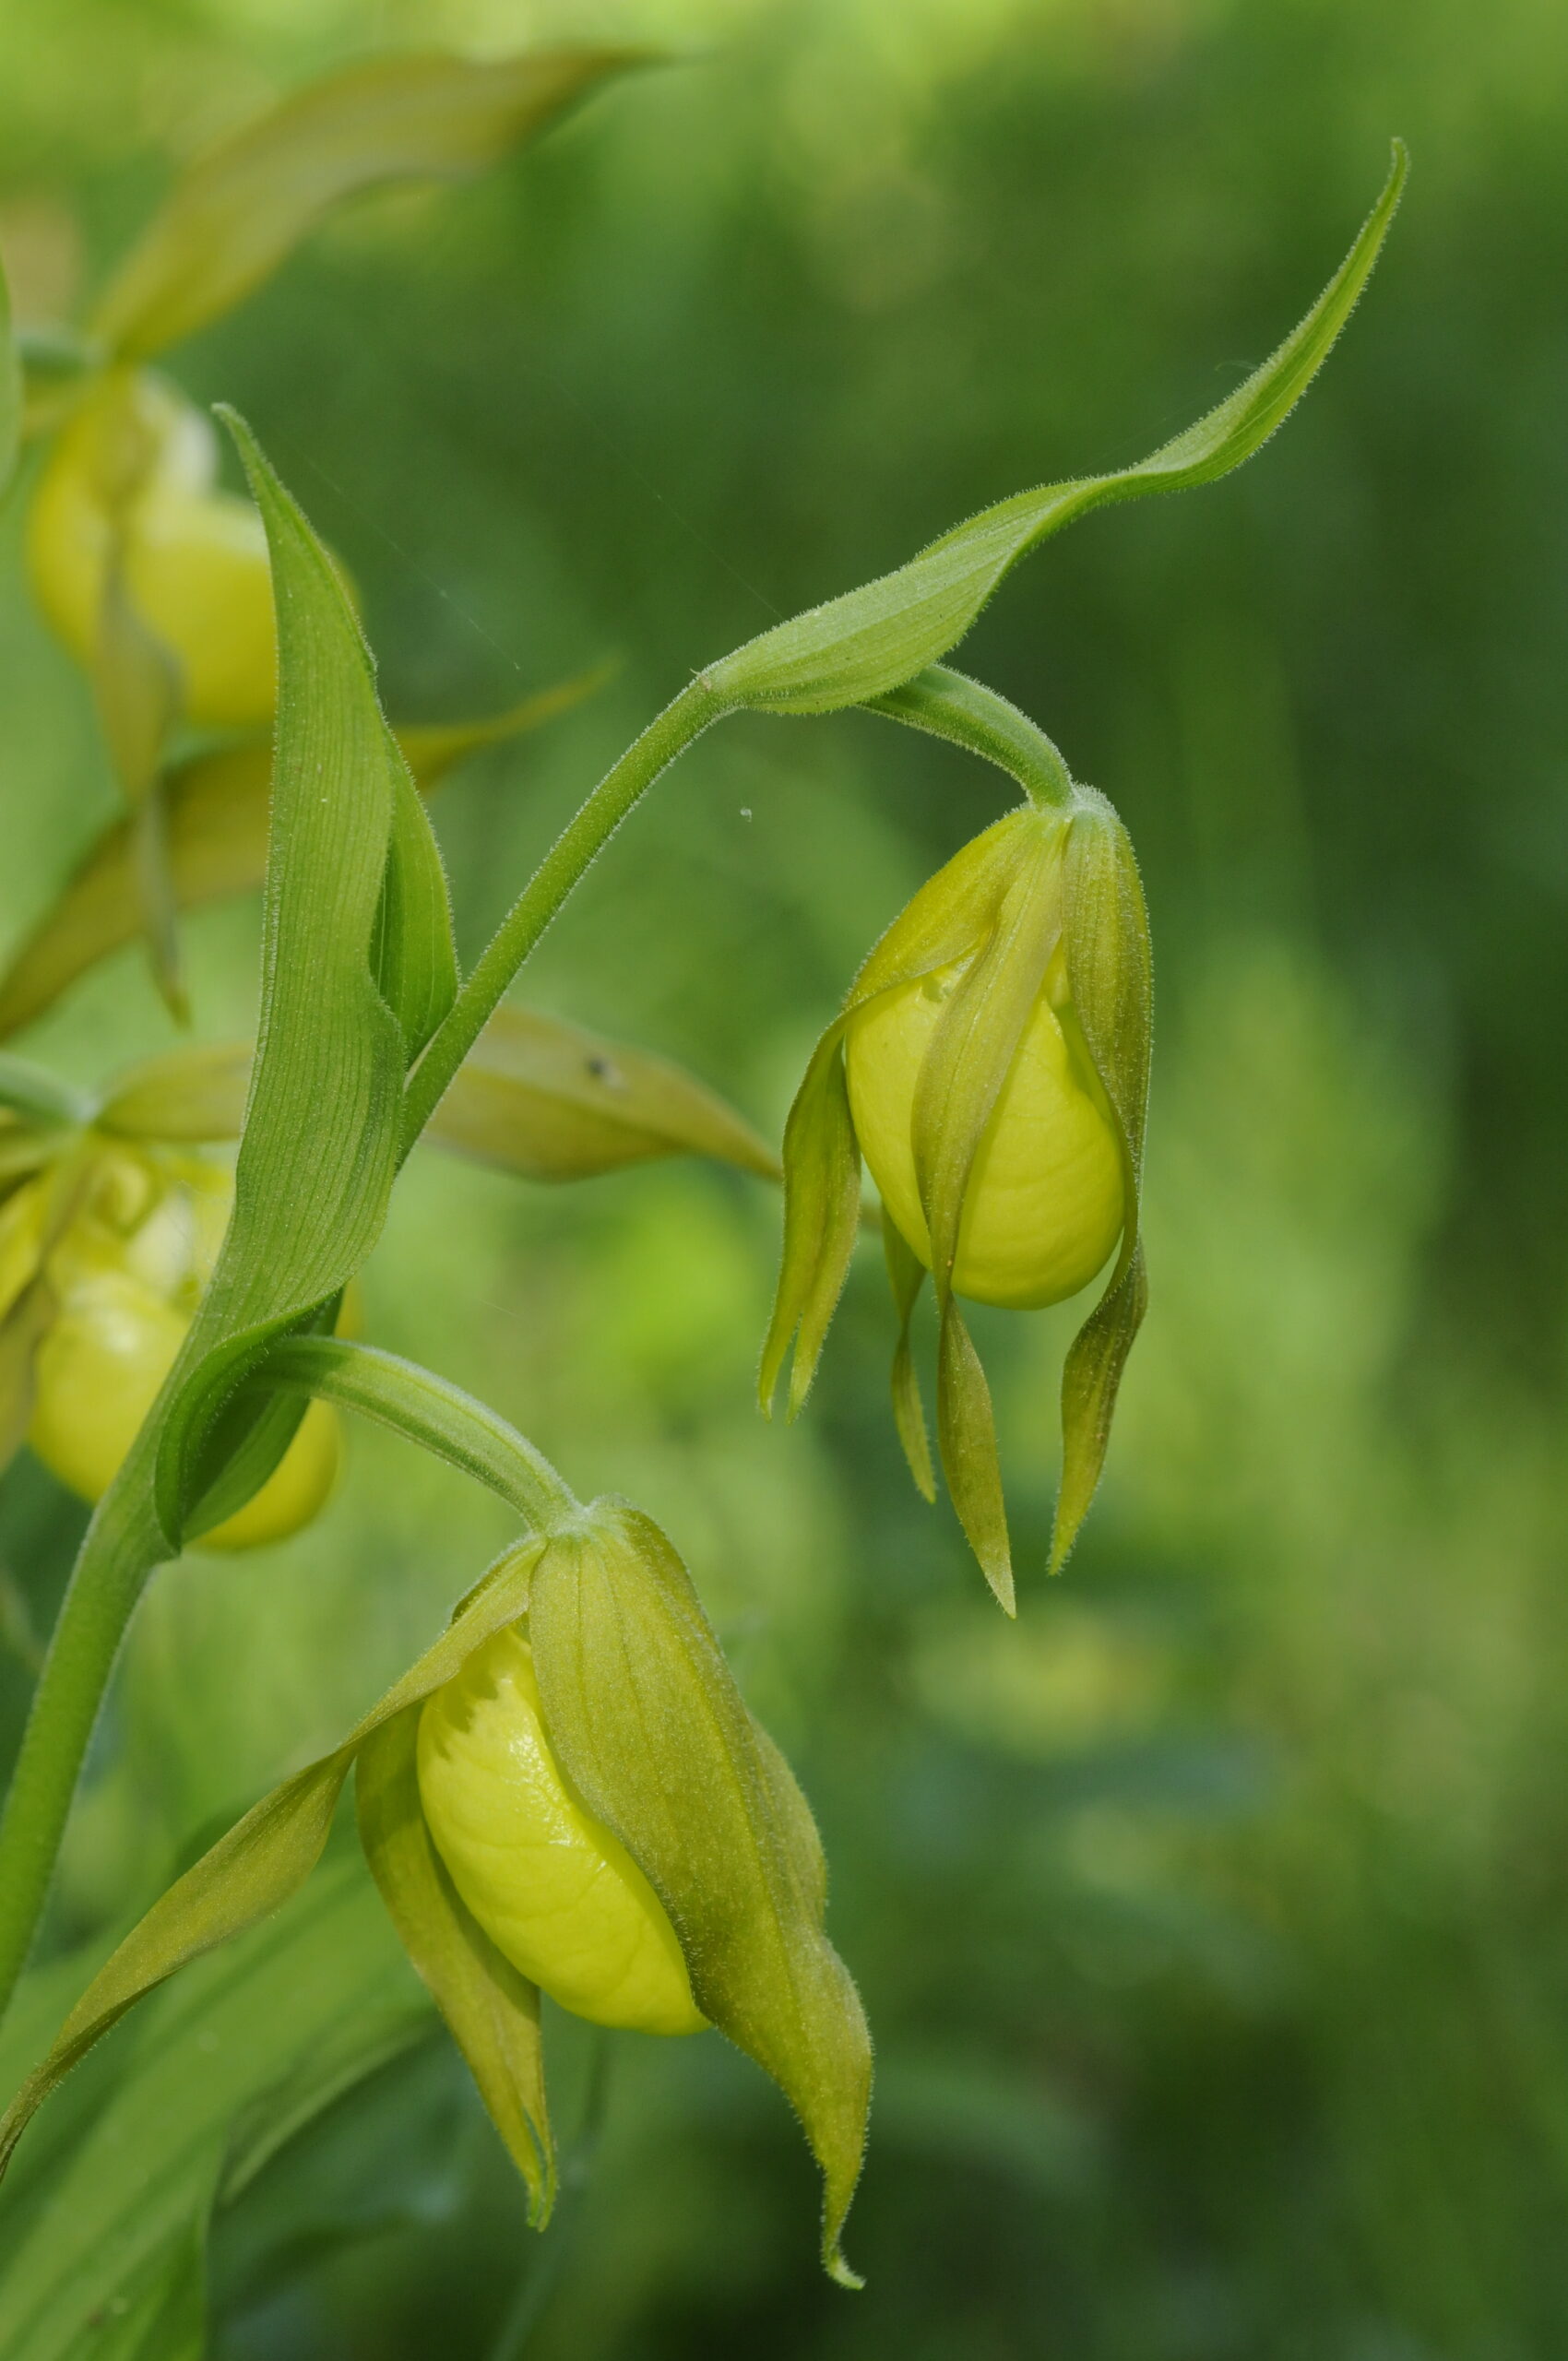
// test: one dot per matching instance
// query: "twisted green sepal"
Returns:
(1110, 974)
(647, 1722)
(857, 648)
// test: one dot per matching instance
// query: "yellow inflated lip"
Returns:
(554, 1889)
(1045, 1203)
(195, 557)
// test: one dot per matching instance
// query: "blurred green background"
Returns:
(1212, 1922)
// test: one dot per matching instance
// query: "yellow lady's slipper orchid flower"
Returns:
(567, 1793)
(126, 1272)
(556, 1893)
(990, 1066)
(139, 462)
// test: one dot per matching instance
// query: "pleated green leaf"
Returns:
(261, 1861)
(11, 393)
(215, 827)
(318, 1151)
(1110, 978)
(645, 1717)
(491, 2011)
(857, 648)
(319, 1148)
(228, 2062)
(551, 1101)
(243, 208)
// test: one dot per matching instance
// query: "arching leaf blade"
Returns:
(243, 208)
(860, 647)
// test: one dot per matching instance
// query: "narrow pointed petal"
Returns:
(822, 1206)
(1110, 974)
(907, 1276)
(857, 648)
(967, 1431)
(493, 2010)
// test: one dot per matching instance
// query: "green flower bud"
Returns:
(989, 1065)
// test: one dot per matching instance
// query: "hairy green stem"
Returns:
(105, 1585)
(425, 1409)
(949, 705)
(575, 849)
